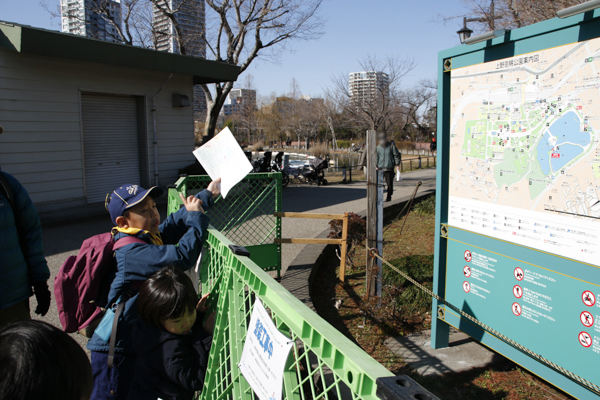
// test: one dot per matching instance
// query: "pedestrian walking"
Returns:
(388, 158)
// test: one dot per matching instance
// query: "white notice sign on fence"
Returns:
(265, 353)
(223, 157)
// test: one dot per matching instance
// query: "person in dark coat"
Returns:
(23, 268)
(388, 158)
(170, 339)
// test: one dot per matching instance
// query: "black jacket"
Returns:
(169, 366)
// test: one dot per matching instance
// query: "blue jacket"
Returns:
(169, 366)
(182, 235)
(18, 271)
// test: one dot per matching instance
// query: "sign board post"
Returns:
(518, 198)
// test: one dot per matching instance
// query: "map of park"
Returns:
(524, 134)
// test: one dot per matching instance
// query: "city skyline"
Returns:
(404, 29)
(78, 17)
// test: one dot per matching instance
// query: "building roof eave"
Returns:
(28, 40)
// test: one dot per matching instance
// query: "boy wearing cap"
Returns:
(177, 241)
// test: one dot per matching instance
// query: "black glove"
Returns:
(42, 295)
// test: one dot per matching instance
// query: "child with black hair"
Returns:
(170, 339)
(40, 361)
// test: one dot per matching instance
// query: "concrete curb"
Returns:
(300, 274)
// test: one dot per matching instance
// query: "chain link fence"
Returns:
(246, 216)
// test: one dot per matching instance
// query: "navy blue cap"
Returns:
(126, 197)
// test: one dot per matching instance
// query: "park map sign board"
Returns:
(519, 197)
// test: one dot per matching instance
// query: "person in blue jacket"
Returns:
(177, 242)
(22, 263)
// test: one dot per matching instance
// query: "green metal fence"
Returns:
(324, 364)
(246, 216)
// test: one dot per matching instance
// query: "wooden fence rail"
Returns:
(342, 242)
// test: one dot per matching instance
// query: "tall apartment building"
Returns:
(82, 17)
(366, 86)
(239, 101)
(191, 20)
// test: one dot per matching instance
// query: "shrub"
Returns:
(344, 144)
(406, 297)
(405, 145)
(426, 207)
(320, 150)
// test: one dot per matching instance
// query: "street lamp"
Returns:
(465, 32)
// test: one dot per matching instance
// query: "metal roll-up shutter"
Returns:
(110, 144)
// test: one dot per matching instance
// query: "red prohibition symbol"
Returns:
(585, 339)
(466, 287)
(518, 291)
(519, 274)
(467, 271)
(468, 256)
(516, 309)
(589, 299)
(587, 319)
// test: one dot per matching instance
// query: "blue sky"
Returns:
(353, 29)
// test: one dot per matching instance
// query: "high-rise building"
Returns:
(89, 18)
(240, 101)
(191, 21)
(367, 86)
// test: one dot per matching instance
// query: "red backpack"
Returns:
(82, 284)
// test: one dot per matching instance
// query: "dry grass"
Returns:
(320, 150)
(258, 146)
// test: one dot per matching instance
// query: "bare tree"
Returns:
(418, 104)
(273, 116)
(512, 14)
(244, 29)
(376, 101)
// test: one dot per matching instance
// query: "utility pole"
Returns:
(371, 210)
(492, 21)
(379, 234)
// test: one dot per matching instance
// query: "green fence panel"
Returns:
(246, 216)
(324, 364)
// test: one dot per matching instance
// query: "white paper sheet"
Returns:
(264, 355)
(223, 157)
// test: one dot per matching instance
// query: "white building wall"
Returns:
(40, 113)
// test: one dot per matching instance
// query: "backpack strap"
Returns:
(113, 333)
(122, 301)
(127, 240)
